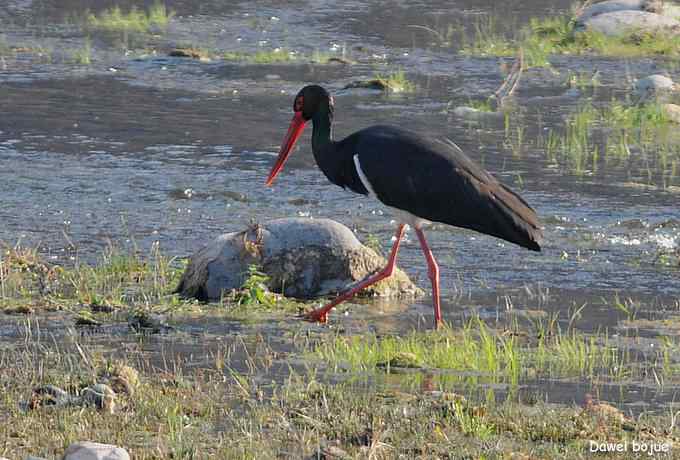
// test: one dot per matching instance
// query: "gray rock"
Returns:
(664, 8)
(304, 258)
(87, 450)
(609, 6)
(629, 21)
(653, 87)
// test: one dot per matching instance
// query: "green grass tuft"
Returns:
(395, 82)
(544, 37)
(132, 21)
(119, 278)
(254, 290)
(282, 56)
(83, 56)
(482, 105)
(479, 351)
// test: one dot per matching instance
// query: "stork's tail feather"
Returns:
(518, 220)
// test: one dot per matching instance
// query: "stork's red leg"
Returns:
(433, 272)
(321, 314)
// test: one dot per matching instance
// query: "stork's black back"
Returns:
(431, 179)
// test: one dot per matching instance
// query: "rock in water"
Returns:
(664, 8)
(624, 22)
(653, 87)
(303, 258)
(609, 6)
(87, 450)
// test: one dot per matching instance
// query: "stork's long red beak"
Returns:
(297, 125)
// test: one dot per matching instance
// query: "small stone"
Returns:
(20, 310)
(87, 450)
(340, 60)
(101, 396)
(334, 452)
(375, 83)
(143, 321)
(672, 112)
(101, 308)
(85, 318)
(193, 53)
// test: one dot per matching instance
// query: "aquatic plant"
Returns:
(442, 36)
(582, 80)
(254, 290)
(482, 105)
(596, 136)
(134, 20)
(373, 242)
(486, 41)
(282, 56)
(275, 56)
(478, 350)
(83, 55)
(396, 82)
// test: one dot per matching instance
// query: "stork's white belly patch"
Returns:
(401, 215)
(362, 176)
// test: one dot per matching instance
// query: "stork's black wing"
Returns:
(436, 181)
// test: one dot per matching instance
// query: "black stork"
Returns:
(423, 180)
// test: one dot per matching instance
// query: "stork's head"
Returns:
(309, 101)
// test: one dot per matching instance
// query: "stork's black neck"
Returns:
(335, 159)
(322, 133)
(324, 147)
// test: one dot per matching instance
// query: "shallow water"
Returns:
(138, 147)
